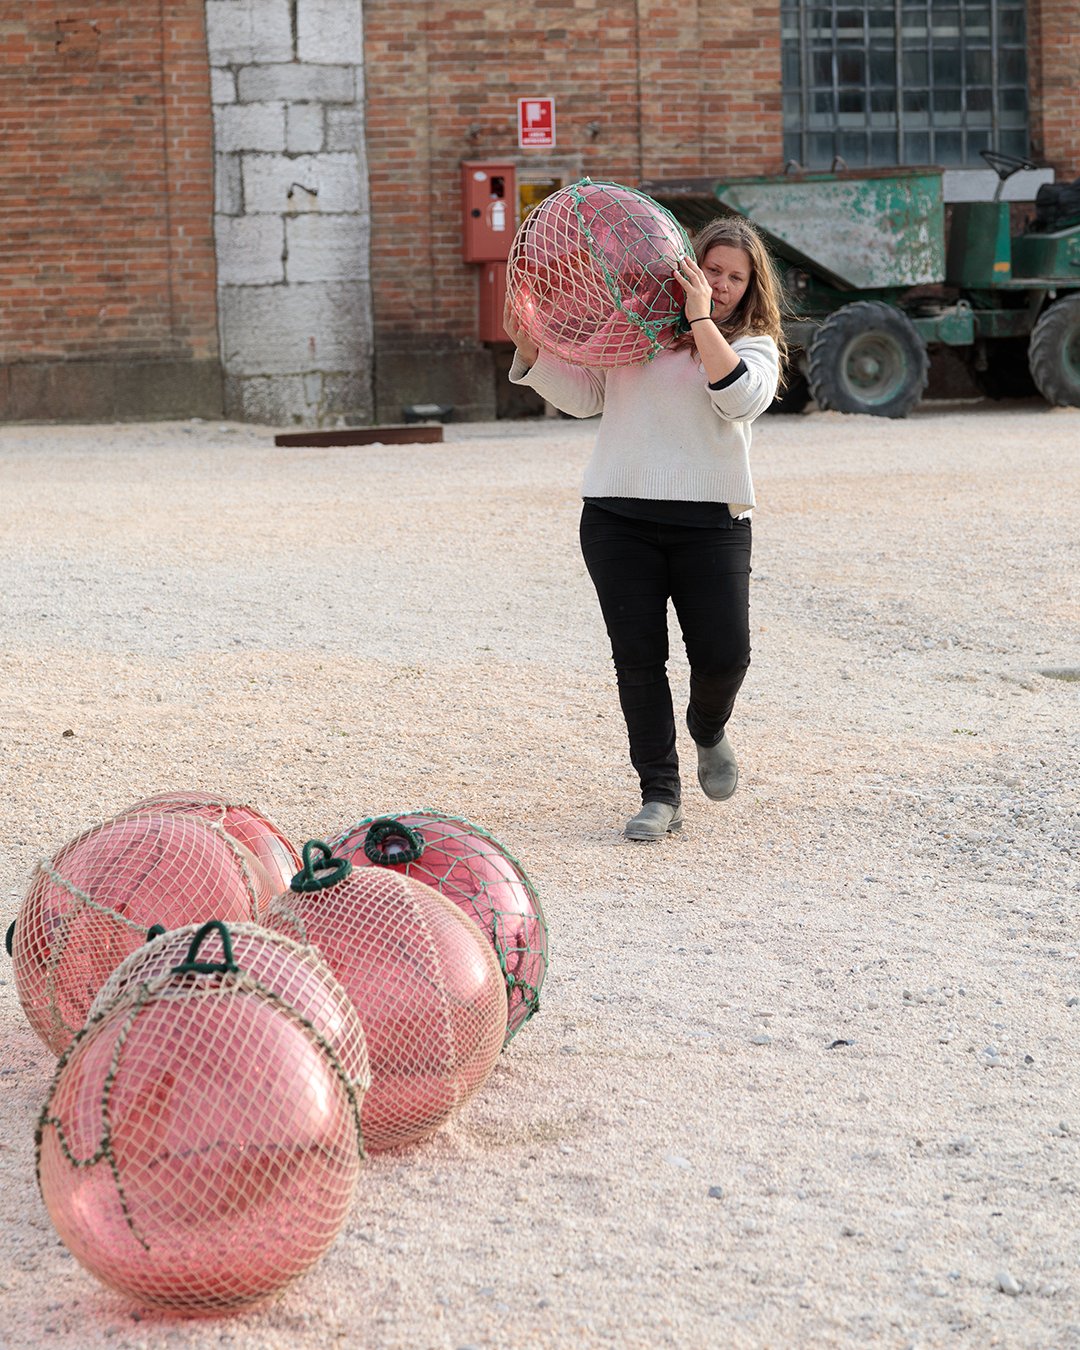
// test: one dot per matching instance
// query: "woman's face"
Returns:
(728, 270)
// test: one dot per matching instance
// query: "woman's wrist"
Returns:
(703, 318)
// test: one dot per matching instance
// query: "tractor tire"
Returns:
(868, 358)
(1054, 353)
(794, 396)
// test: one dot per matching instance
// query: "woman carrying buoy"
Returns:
(668, 496)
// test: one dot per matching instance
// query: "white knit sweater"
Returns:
(664, 434)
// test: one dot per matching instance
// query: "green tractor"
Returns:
(871, 282)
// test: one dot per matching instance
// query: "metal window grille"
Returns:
(886, 82)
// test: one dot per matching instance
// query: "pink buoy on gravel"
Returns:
(291, 972)
(468, 865)
(248, 826)
(92, 904)
(425, 984)
(200, 1145)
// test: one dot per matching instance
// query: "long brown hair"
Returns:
(760, 311)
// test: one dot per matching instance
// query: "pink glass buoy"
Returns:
(200, 1145)
(424, 982)
(294, 973)
(589, 276)
(482, 878)
(92, 904)
(248, 826)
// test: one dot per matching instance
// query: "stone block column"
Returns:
(292, 212)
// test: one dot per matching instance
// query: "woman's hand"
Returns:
(526, 347)
(717, 355)
(696, 289)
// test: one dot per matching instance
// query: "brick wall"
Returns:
(656, 88)
(107, 275)
(108, 294)
(1054, 71)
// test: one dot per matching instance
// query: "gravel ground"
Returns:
(805, 1075)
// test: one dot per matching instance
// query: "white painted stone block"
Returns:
(330, 31)
(294, 83)
(983, 185)
(249, 126)
(228, 187)
(222, 85)
(241, 31)
(330, 184)
(280, 401)
(344, 129)
(301, 400)
(327, 248)
(305, 128)
(288, 330)
(249, 250)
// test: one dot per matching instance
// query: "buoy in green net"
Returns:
(426, 987)
(589, 276)
(200, 1145)
(468, 865)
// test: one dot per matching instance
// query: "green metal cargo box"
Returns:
(860, 230)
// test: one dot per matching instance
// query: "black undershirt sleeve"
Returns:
(736, 374)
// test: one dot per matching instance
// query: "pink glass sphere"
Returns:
(291, 972)
(249, 827)
(589, 276)
(469, 866)
(424, 982)
(93, 903)
(199, 1149)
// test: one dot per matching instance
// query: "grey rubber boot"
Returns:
(717, 771)
(653, 821)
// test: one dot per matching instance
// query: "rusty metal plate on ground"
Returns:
(389, 435)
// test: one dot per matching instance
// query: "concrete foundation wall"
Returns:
(117, 390)
(462, 378)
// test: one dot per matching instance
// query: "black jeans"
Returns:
(636, 567)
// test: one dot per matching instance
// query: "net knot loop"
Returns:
(317, 876)
(191, 966)
(407, 845)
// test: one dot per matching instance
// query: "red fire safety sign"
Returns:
(536, 122)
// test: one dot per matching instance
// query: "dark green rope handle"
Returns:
(389, 828)
(192, 967)
(158, 930)
(9, 941)
(317, 877)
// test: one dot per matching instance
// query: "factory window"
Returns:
(886, 82)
